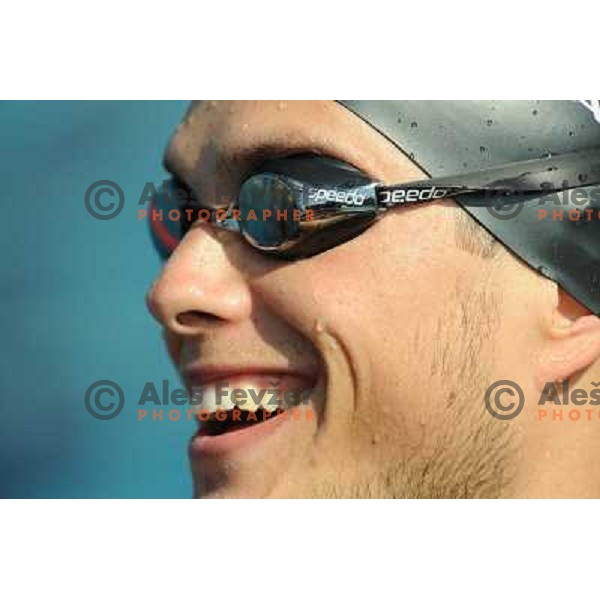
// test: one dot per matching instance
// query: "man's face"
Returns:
(392, 336)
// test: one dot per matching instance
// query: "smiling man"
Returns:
(390, 329)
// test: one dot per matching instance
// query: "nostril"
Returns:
(197, 319)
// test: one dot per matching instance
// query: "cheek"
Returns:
(385, 286)
(384, 295)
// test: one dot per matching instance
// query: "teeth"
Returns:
(244, 395)
(207, 398)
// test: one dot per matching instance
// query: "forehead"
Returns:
(224, 140)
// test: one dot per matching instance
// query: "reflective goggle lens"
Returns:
(166, 218)
(267, 206)
(272, 208)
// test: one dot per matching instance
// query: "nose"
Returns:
(199, 287)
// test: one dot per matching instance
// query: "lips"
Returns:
(238, 407)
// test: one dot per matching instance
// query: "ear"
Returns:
(572, 342)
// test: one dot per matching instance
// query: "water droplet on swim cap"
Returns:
(523, 130)
(544, 271)
(414, 124)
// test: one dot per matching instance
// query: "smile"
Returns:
(238, 410)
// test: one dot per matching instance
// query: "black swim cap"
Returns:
(453, 138)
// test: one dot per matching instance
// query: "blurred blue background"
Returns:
(72, 304)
